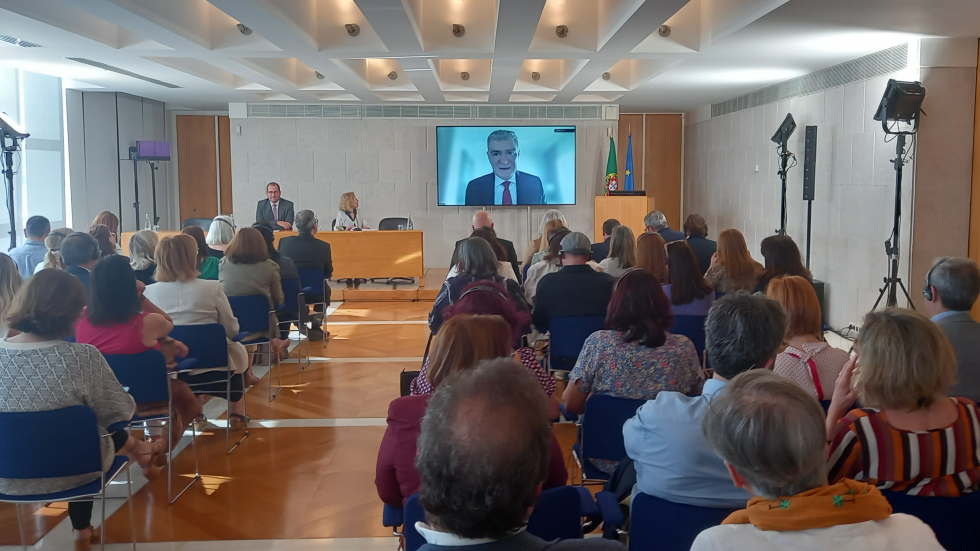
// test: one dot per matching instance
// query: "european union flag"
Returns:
(628, 176)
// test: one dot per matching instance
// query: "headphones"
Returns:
(927, 290)
(94, 253)
(483, 288)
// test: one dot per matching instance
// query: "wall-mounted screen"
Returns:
(506, 165)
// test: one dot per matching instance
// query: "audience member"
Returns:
(601, 250)
(504, 267)
(535, 245)
(80, 252)
(620, 253)
(309, 253)
(192, 301)
(952, 287)
(10, 282)
(732, 267)
(651, 256)
(808, 360)
(462, 342)
(672, 459)
(141, 247)
(635, 357)
(52, 258)
(477, 262)
(120, 320)
(550, 264)
(689, 293)
(696, 230)
(656, 222)
(482, 490)
(287, 268)
(770, 435)
(907, 422)
(782, 259)
(40, 372)
(549, 231)
(220, 233)
(207, 264)
(110, 221)
(30, 253)
(574, 290)
(105, 238)
(482, 219)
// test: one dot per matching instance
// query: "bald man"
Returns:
(482, 219)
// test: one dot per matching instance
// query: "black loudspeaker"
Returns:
(809, 163)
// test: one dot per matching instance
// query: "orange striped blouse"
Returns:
(938, 462)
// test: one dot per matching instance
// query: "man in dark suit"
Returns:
(601, 250)
(276, 212)
(482, 219)
(80, 252)
(309, 253)
(656, 222)
(574, 290)
(696, 230)
(505, 185)
(952, 286)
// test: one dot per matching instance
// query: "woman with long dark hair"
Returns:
(732, 267)
(689, 293)
(782, 259)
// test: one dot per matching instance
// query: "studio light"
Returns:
(781, 139)
(11, 135)
(785, 130)
(901, 102)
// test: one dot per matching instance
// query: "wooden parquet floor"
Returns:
(36, 521)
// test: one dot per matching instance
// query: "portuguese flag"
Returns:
(612, 183)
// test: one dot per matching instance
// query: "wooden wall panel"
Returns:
(224, 161)
(197, 169)
(627, 123)
(662, 165)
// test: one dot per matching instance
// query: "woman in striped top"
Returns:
(910, 437)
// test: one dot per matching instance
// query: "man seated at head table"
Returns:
(274, 211)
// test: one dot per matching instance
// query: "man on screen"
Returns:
(505, 185)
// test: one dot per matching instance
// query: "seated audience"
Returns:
(482, 219)
(672, 459)
(220, 233)
(192, 301)
(907, 420)
(601, 250)
(141, 247)
(31, 252)
(732, 267)
(105, 238)
(651, 256)
(808, 360)
(206, 263)
(951, 289)
(504, 267)
(10, 282)
(549, 231)
(479, 492)
(287, 270)
(696, 230)
(621, 253)
(770, 435)
(689, 293)
(477, 262)
(574, 290)
(110, 221)
(80, 252)
(39, 371)
(309, 253)
(550, 264)
(782, 259)
(535, 245)
(656, 222)
(52, 258)
(120, 320)
(462, 343)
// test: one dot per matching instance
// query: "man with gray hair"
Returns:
(656, 222)
(482, 460)
(770, 434)
(952, 287)
(673, 462)
(505, 185)
(309, 253)
(482, 219)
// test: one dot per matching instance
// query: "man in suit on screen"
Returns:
(505, 185)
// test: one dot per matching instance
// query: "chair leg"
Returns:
(102, 526)
(170, 462)
(274, 361)
(20, 528)
(132, 518)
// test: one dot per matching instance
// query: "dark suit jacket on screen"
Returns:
(600, 250)
(511, 256)
(703, 249)
(263, 211)
(964, 335)
(529, 190)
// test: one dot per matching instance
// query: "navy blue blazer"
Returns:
(81, 273)
(479, 191)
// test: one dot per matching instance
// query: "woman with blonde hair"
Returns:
(347, 217)
(808, 360)
(535, 245)
(141, 247)
(545, 243)
(909, 436)
(732, 267)
(651, 255)
(10, 282)
(220, 233)
(52, 258)
(622, 252)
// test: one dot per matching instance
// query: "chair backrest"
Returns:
(311, 277)
(568, 334)
(557, 515)
(207, 343)
(602, 426)
(649, 531)
(392, 223)
(252, 312)
(52, 443)
(413, 513)
(144, 375)
(947, 516)
(203, 223)
(691, 327)
(524, 271)
(290, 293)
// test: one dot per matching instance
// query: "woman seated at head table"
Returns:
(348, 218)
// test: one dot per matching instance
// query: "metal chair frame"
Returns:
(246, 308)
(579, 449)
(300, 304)
(325, 278)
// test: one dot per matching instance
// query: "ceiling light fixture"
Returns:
(535, 76)
(393, 75)
(458, 30)
(561, 31)
(353, 29)
(664, 31)
(243, 29)
(606, 76)
(464, 75)
(319, 75)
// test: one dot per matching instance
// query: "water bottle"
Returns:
(146, 225)
(410, 221)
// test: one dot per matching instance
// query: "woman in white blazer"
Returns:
(347, 217)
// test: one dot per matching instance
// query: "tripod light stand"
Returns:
(780, 138)
(10, 136)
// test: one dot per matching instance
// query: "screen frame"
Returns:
(500, 126)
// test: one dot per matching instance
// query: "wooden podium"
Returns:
(628, 209)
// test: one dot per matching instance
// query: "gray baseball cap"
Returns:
(576, 243)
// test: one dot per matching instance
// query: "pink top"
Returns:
(118, 338)
(815, 368)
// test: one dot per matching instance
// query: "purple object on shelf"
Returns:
(153, 151)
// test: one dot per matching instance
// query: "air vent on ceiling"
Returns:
(101, 65)
(426, 111)
(18, 42)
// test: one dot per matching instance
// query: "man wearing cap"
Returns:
(574, 290)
